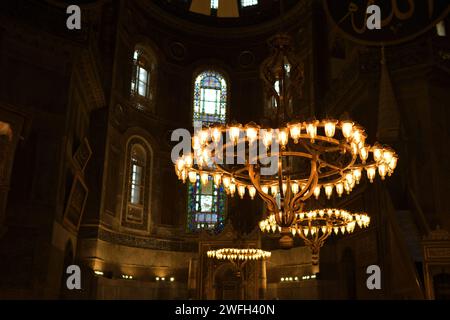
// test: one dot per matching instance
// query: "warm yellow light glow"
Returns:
(357, 174)
(330, 128)
(294, 187)
(347, 128)
(252, 134)
(317, 192)
(283, 137)
(295, 130)
(217, 179)
(232, 188)
(226, 181)
(311, 130)
(274, 190)
(265, 189)
(267, 137)
(204, 177)
(192, 176)
(234, 132)
(377, 152)
(216, 135)
(196, 145)
(382, 171)
(393, 163)
(241, 191)
(204, 136)
(339, 188)
(328, 191)
(371, 172)
(364, 154)
(188, 161)
(252, 192)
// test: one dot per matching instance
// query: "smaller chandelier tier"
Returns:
(235, 254)
(315, 226)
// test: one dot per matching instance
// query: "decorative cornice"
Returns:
(136, 241)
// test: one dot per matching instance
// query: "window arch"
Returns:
(206, 203)
(210, 98)
(138, 184)
(143, 77)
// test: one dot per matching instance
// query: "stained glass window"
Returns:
(206, 203)
(210, 98)
(214, 4)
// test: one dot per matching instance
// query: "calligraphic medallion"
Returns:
(401, 20)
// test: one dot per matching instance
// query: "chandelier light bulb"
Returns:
(349, 178)
(180, 164)
(382, 171)
(252, 192)
(311, 130)
(252, 134)
(347, 128)
(371, 172)
(265, 189)
(216, 135)
(232, 188)
(364, 154)
(339, 189)
(328, 191)
(283, 137)
(226, 182)
(217, 179)
(267, 138)
(295, 130)
(317, 192)
(192, 175)
(377, 153)
(330, 128)
(196, 145)
(183, 175)
(388, 156)
(294, 187)
(357, 135)
(241, 191)
(393, 163)
(204, 177)
(274, 190)
(284, 187)
(188, 161)
(357, 174)
(204, 136)
(234, 134)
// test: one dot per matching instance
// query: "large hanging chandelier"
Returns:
(238, 256)
(289, 162)
(315, 226)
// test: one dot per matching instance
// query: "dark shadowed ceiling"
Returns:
(262, 12)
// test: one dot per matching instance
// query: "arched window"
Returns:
(143, 78)
(210, 98)
(137, 204)
(206, 203)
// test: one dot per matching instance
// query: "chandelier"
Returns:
(238, 257)
(315, 226)
(290, 161)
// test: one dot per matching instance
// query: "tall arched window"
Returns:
(143, 78)
(138, 174)
(210, 98)
(206, 203)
